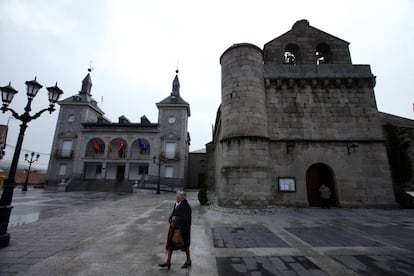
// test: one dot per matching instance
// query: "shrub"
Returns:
(202, 195)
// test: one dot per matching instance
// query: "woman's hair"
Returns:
(182, 194)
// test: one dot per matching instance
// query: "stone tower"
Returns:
(245, 139)
(294, 116)
(74, 111)
(173, 113)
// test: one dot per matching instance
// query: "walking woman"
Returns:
(180, 218)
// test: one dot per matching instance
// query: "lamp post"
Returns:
(7, 94)
(160, 162)
(31, 161)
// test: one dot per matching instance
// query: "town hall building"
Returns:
(293, 116)
(89, 152)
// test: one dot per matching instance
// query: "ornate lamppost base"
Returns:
(5, 212)
(4, 240)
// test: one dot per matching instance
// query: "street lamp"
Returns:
(160, 162)
(7, 94)
(31, 161)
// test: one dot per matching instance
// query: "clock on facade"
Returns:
(171, 120)
(71, 118)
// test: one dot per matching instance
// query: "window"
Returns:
(62, 169)
(95, 146)
(169, 171)
(323, 54)
(117, 148)
(99, 169)
(170, 150)
(143, 169)
(291, 54)
(66, 148)
(144, 147)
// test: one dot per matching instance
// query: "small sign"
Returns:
(287, 184)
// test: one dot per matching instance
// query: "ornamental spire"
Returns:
(87, 83)
(176, 85)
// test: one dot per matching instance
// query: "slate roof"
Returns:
(174, 98)
(84, 96)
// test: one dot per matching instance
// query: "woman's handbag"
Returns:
(177, 238)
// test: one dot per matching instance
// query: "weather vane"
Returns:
(90, 67)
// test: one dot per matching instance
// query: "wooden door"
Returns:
(317, 175)
(120, 173)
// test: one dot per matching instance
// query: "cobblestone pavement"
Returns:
(294, 265)
(246, 237)
(90, 233)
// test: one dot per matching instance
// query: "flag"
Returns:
(121, 149)
(143, 146)
(96, 147)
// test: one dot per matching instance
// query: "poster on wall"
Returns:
(287, 184)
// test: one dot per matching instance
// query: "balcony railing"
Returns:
(170, 155)
(63, 154)
(166, 183)
(95, 155)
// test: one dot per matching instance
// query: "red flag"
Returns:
(96, 146)
(121, 148)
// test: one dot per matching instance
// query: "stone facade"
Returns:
(293, 116)
(91, 153)
(405, 130)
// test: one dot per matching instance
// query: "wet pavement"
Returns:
(37, 204)
(87, 233)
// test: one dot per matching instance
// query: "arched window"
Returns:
(323, 54)
(117, 148)
(291, 54)
(140, 147)
(144, 146)
(95, 147)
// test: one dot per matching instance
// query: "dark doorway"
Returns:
(317, 175)
(120, 173)
(201, 178)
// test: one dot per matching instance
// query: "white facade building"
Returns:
(91, 153)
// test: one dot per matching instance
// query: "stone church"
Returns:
(89, 152)
(293, 116)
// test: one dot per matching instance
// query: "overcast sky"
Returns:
(134, 47)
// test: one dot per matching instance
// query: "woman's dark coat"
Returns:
(182, 214)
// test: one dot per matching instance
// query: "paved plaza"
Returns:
(91, 233)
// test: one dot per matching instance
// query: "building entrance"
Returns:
(120, 173)
(317, 175)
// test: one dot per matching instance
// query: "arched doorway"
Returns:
(317, 175)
